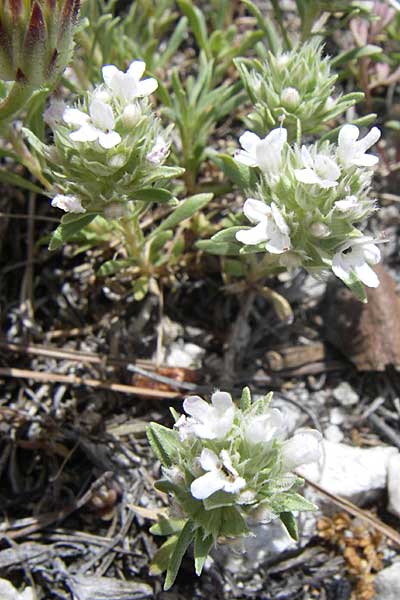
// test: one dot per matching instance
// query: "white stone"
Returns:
(8, 592)
(333, 433)
(353, 473)
(337, 416)
(394, 485)
(345, 394)
(184, 355)
(387, 583)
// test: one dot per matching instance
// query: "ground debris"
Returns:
(361, 547)
(368, 334)
(107, 588)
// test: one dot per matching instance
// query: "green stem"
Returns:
(15, 100)
(132, 235)
(26, 158)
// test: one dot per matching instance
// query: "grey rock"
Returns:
(387, 583)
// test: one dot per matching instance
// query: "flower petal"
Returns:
(208, 460)
(367, 275)
(256, 210)
(147, 86)
(365, 160)
(306, 176)
(109, 72)
(222, 401)
(341, 268)
(232, 487)
(109, 140)
(245, 158)
(279, 220)
(370, 139)
(304, 447)
(206, 485)
(101, 114)
(73, 116)
(253, 236)
(348, 134)
(249, 142)
(197, 407)
(136, 69)
(307, 158)
(86, 133)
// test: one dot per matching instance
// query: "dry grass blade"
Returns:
(94, 383)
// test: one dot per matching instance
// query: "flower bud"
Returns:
(131, 115)
(36, 39)
(320, 230)
(290, 97)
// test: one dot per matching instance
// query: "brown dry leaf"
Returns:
(368, 334)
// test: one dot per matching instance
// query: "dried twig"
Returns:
(94, 383)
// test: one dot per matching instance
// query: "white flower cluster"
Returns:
(104, 132)
(224, 438)
(309, 200)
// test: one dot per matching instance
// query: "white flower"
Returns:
(264, 153)
(220, 475)
(125, 87)
(304, 447)
(207, 421)
(354, 259)
(320, 170)
(68, 203)
(352, 208)
(159, 151)
(270, 227)
(265, 427)
(352, 151)
(97, 125)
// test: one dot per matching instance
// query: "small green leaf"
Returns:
(245, 399)
(355, 54)
(159, 564)
(183, 542)
(197, 23)
(218, 248)
(290, 524)
(110, 267)
(140, 287)
(186, 209)
(233, 524)
(219, 500)
(202, 546)
(240, 174)
(153, 195)
(166, 526)
(70, 226)
(289, 501)
(164, 443)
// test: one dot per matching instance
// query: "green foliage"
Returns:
(243, 452)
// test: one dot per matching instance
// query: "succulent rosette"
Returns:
(226, 467)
